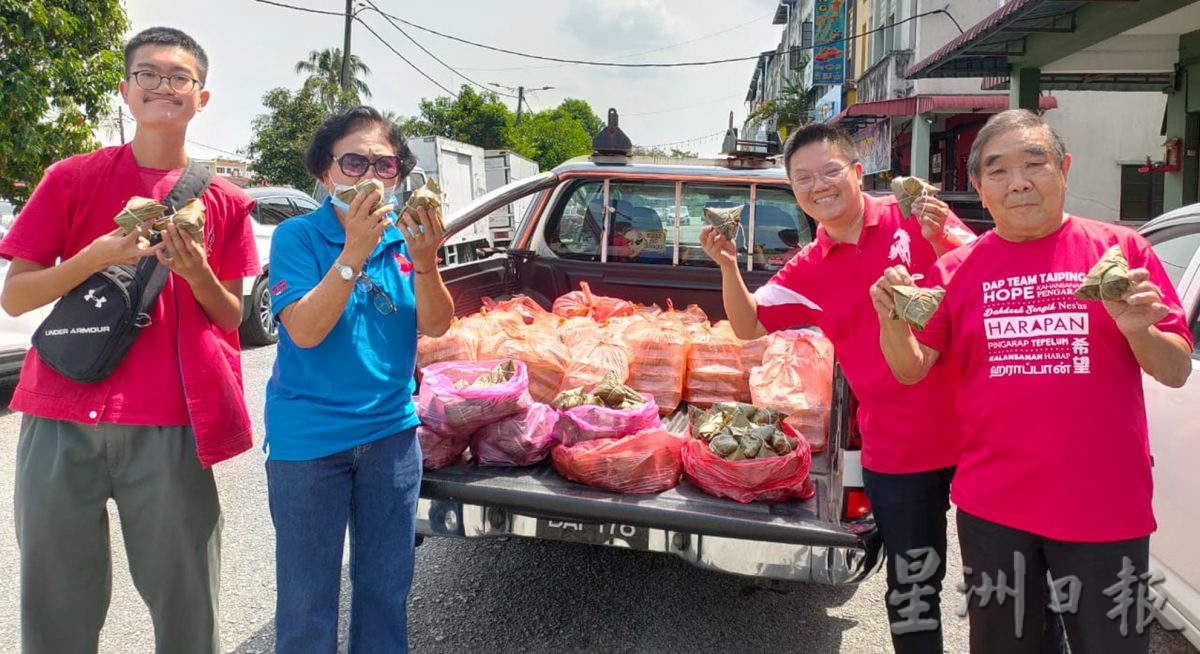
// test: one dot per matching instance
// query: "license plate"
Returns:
(637, 538)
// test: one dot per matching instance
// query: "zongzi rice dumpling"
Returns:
(137, 211)
(1108, 279)
(907, 189)
(727, 221)
(914, 305)
(429, 197)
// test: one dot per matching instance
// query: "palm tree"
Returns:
(324, 69)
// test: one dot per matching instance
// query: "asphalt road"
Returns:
(505, 596)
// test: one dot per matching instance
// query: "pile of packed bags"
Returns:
(585, 384)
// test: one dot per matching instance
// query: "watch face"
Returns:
(346, 272)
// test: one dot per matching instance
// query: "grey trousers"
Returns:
(170, 517)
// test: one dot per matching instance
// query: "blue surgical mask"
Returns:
(389, 196)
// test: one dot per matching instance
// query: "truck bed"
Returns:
(539, 491)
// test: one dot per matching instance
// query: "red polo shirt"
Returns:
(73, 206)
(1054, 420)
(905, 429)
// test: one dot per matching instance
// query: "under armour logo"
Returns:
(91, 297)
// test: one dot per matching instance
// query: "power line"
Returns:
(233, 154)
(643, 52)
(678, 64)
(402, 57)
(374, 7)
(305, 9)
(698, 139)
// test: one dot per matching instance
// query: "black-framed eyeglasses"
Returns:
(804, 181)
(382, 303)
(150, 81)
(354, 164)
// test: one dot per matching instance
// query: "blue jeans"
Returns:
(373, 488)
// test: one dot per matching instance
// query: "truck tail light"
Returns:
(856, 505)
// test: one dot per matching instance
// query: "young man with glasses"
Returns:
(351, 285)
(910, 433)
(147, 434)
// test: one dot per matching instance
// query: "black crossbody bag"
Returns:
(93, 326)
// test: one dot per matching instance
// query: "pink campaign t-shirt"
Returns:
(1054, 420)
(905, 429)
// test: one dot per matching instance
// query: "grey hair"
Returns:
(1009, 120)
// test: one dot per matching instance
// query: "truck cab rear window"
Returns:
(642, 224)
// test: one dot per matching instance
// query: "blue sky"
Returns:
(253, 47)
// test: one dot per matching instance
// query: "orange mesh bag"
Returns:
(649, 461)
(714, 367)
(593, 358)
(459, 343)
(537, 345)
(598, 307)
(522, 305)
(659, 363)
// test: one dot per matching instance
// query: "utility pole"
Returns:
(520, 101)
(346, 46)
(121, 122)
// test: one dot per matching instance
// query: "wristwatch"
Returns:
(346, 272)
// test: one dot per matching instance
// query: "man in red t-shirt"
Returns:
(146, 435)
(910, 434)
(1054, 477)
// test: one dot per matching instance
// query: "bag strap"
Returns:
(192, 183)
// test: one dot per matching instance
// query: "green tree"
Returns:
(662, 153)
(551, 137)
(477, 118)
(582, 111)
(282, 135)
(791, 108)
(60, 62)
(324, 70)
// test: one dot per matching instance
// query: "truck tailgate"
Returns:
(540, 492)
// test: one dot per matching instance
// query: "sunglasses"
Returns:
(379, 299)
(353, 164)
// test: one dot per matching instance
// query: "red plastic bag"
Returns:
(598, 307)
(649, 461)
(714, 369)
(659, 361)
(456, 412)
(587, 422)
(520, 440)
(459, 343)
(439, 451)
(776, 479)
(522, 305)
(593, 357)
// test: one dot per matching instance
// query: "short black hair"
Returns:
(168, 36)
(817, 133)
(319, 156)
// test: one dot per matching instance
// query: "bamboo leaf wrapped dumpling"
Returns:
(429, 197)
(907, 189)
(190, 219)
(723, 445)
(1108, 279)
(614, 394)
(727, 221)
(365, 186)
(916, 306)
(498, 375)
(137, 211)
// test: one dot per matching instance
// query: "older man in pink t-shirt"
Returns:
(1054, 478)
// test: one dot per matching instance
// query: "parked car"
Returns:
(567, 237)
(8, 215)
(1174, 417)
(273, 205)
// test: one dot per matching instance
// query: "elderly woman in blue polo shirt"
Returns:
(350, 288)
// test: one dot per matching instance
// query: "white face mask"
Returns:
(389, 196)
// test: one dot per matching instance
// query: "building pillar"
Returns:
(1174, 191)
(1025, 86)
(918, 165)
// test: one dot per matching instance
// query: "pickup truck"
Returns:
(567, 236)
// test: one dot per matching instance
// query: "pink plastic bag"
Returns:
(647, 462)
(587, 422)
(439, 451)
(457, 412)
(520, 440)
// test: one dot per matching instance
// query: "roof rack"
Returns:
(611, 145)
(747, 153)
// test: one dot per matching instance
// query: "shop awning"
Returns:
(919, 104)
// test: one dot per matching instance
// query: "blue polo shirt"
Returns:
(357, 385)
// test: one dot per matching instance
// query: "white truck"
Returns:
(459, 169)
(504, 167)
